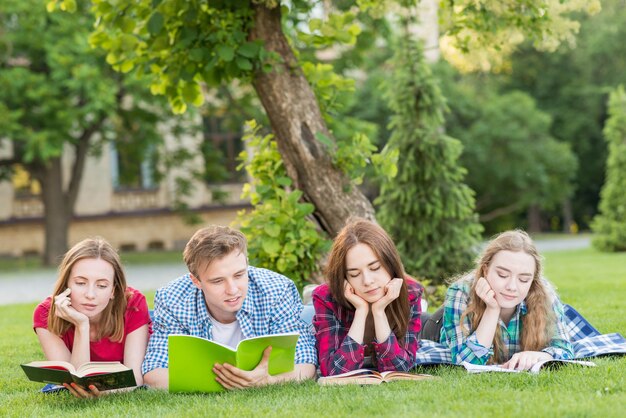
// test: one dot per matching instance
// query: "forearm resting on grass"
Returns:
(157, 378)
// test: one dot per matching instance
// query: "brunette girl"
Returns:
(367, 315)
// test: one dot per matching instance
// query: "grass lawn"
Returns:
(594, 283)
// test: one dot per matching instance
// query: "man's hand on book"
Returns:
(80, 392)
(232, 377)
(526, 359)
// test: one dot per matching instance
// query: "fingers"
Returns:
(347, 288)
(77, 390)
(94, 391)
(230, 377)
(485, 292)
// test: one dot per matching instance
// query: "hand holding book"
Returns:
(232, 377)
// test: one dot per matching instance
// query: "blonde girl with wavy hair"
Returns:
(504, 311)
(92, 314)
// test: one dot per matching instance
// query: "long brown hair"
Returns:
(111, 324)
(539, 322)
(362, 231)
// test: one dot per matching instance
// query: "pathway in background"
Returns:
(34, 286)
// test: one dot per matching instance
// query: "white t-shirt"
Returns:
(227, 334)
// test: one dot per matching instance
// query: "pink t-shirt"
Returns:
(136, 315)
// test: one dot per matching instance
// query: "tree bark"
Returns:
(57, 213)
(568, 216)
(534, 219)
(59, 203)
(296, 119)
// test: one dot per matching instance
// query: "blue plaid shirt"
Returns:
(272, 306)
(466, 347)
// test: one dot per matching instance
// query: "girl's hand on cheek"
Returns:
(356, 301)
(392, 291)
(64, 309)
(486, 293)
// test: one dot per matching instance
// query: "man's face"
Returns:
(224, 283)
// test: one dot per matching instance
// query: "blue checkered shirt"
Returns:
(272, 306)
(467, 348)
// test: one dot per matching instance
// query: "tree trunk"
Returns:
(296, 119)
(568, 216)
(534, 219)
(57, 212)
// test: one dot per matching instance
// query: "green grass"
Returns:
(592, 282)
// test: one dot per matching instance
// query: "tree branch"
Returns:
(505, 210)
(82, 147)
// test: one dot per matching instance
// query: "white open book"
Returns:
(478, 368)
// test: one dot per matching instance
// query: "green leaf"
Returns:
(244, 63)
(284, 181)
(155, 24)
(226, 52)
(249, 49)
(271, 246)
(324, 139)
(273, 230)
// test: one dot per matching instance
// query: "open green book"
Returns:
(191, 359)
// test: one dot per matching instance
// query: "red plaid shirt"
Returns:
(339, 353)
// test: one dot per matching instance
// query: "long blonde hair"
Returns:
(112, 323)
(539, 322)
(362, 231)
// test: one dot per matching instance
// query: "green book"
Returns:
(104, 375)
(191, 359)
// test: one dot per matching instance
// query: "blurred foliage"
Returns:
(610, 224)
(281, 236)
(572, 85)
(512, 160)
(427, 208)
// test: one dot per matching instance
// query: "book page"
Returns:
(282, 357)
(53, 364)
(96, 367)
(554, 362)
(479, 368)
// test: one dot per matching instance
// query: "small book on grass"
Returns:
(370, 377)
(105, 375)
(552, 363)
(191, 359)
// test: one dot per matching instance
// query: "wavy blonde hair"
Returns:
(539, 322)
(112, 323)
(362, 231)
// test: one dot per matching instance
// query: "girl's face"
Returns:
(510, 275)
(91, 283)
(365, 273)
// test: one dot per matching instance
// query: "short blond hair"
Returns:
(212, 243)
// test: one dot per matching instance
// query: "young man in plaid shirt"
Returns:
(225, 300)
